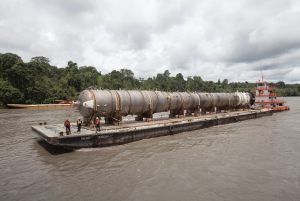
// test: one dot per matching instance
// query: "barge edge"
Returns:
(115, 137)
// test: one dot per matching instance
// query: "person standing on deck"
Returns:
(67, 124)
(97, 123)
(79, 122)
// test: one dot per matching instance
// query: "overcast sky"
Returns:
(233, 39)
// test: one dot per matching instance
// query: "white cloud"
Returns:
(214, 39)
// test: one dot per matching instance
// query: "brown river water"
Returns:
(251, 160)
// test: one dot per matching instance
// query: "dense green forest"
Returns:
(37, 81)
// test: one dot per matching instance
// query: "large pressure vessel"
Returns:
(110, 103)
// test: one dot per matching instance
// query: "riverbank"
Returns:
(38, 106)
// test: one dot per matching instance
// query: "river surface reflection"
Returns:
(251, 160)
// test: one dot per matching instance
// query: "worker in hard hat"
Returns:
(97, 124)
(67, 124)
(79, 122)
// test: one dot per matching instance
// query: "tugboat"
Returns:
(266, 97)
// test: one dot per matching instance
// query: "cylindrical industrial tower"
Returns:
(113, 104)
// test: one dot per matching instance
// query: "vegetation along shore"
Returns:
(37, 81)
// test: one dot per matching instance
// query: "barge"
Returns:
(133, 131)
(186, 111)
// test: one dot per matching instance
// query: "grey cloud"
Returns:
(280, 35)
(184, 57)
(245, 52)
(69, 8)
(289, 59)
(231, 39)
(133, 24)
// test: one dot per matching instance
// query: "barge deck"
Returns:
(132, 131)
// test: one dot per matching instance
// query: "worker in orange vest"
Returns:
(97, 124)
(67, 124)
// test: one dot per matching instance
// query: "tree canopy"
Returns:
(37, 81)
